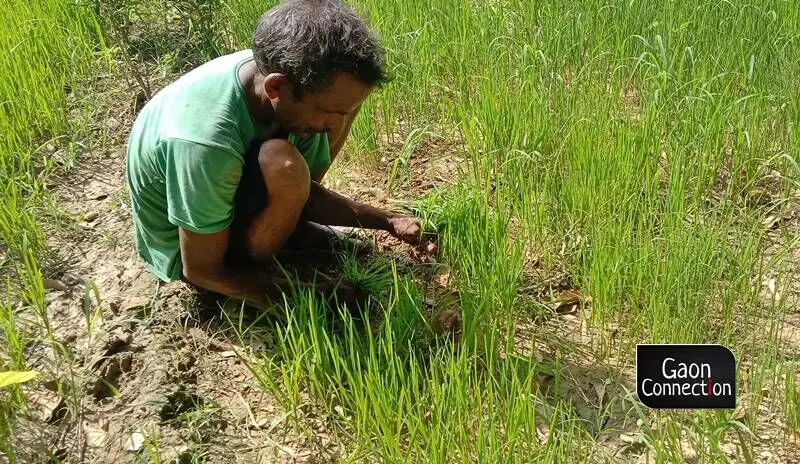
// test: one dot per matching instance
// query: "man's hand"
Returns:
(332, 209)
(406, 228)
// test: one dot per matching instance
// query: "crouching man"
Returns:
(224, 164)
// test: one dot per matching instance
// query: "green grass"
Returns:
(47, 47)
(627, 146)
(619, 141)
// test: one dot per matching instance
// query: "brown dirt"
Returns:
(164, 357)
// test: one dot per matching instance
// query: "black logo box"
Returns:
(654, 363)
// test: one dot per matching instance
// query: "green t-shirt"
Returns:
(185, 157)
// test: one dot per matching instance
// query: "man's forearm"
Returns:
(330, 208)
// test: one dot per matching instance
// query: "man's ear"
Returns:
(275, 85)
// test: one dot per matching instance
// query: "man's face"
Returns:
(322, 111)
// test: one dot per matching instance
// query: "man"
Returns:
(225, 163)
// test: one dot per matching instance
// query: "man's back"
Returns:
(207, 106)
(185, 157)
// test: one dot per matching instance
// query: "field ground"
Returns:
(600, 176)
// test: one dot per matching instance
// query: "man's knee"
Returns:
(284, 169)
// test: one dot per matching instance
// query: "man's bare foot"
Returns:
(311, 238)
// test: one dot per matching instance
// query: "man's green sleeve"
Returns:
(201, 182)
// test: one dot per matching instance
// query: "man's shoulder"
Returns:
(211, 81)
(207, 106)
(220, 67)
(216, 155)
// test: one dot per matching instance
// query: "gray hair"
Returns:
(311, 41)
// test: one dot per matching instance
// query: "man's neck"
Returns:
(260, 109)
